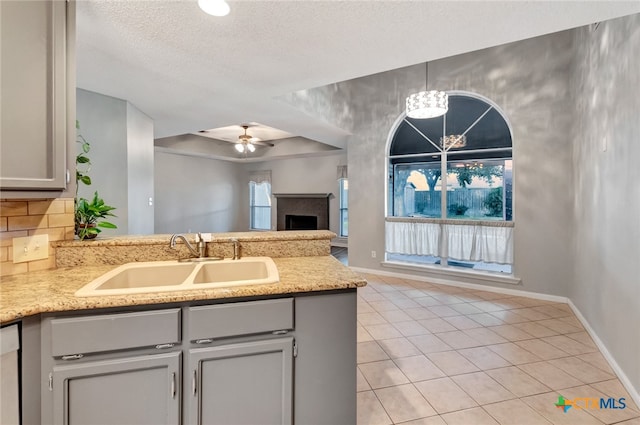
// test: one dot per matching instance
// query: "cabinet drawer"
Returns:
(240, 319)
(90, 334)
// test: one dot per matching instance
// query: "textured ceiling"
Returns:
(190, 71)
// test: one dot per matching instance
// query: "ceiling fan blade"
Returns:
(261, 143)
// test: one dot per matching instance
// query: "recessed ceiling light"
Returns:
(214, 7)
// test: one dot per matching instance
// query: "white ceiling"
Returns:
(256, 130)
(190, 71)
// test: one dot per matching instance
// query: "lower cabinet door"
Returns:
(246, 383)
(133, 390)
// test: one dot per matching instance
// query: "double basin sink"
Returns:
(163, 276)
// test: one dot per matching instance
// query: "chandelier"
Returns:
(453, 141)
(428, 103)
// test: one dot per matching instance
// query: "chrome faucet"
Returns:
(236, 248)
(202, 247)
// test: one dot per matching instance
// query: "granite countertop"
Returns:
(53, 290)
(156, 239)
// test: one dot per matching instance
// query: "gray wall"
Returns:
(529, 80)
(121, 138)
(567, 95)
(140, 171)
(302, 175)
(606, 198)
(195, 194)
(103, 122)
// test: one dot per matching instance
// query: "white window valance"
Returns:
(342, 172)
(465, 241)
(260, 176)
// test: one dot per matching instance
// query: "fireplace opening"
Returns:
(301, 222)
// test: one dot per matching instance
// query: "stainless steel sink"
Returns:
(162, 276)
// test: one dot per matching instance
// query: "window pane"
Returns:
(480, 265)
(344, 223)
(260, 205)
(415, 259)
(344, 202)
(479, 190)
(407, 140)
(417, 190)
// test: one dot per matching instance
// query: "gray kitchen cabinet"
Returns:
(37, 105)
(240, 363)
(325, 369)
(121, 368)
(242, 383)
(270, 361)
(139, 390)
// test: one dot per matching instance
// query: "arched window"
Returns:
(468, 152)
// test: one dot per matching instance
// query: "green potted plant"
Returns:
(88, 213)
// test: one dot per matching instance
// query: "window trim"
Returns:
(340, 209)
(388, 188)
(252, 206)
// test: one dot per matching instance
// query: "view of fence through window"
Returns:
(480, 190)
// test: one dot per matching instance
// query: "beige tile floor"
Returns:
(434, 355)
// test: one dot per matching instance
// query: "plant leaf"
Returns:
(81, 159)
(86, 180)
(107, 225)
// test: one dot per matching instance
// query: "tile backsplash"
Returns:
(19, 218)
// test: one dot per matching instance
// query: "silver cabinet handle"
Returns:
(164, 346)
(194, 381)
(204, 341)
(280, 332)
(173, 385)
(73, 357)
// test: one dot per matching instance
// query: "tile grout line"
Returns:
(557, 314)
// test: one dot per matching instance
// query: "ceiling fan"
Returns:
(248, 143)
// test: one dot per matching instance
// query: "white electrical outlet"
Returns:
(373, 254)
(30, 248)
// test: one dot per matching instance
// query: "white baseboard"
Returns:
(633, 392)
(479, 286)
(340, 242)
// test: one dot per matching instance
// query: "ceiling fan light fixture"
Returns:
(214, 7)
(251, 147)
(239, 147)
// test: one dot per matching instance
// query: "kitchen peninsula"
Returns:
(198, 355)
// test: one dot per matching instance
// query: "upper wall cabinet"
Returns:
(37, 114)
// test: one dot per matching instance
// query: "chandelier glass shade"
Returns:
(245, 147)
(427, 104)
